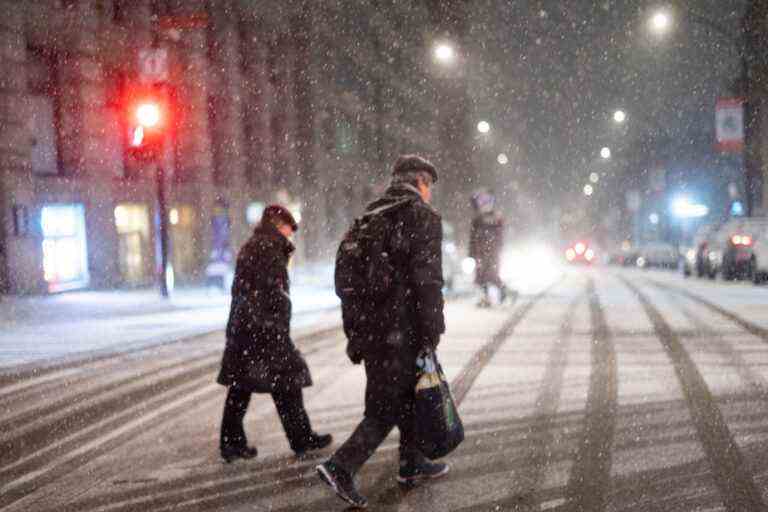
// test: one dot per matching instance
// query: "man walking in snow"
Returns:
(394, 332)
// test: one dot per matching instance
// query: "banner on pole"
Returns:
(729, 125)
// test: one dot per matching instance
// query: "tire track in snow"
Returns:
(731, 474)
(591, 471)
(745, 324)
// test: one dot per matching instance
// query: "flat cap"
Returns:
(411, 163)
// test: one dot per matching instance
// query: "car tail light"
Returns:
(741, 240)
(580, 248)
(570, 254)
(589, 254)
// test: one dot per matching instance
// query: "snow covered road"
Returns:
(604, 389)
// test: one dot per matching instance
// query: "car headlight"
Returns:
(468, 265)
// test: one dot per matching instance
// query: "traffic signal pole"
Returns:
(162, 211)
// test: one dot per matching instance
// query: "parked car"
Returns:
(657, 254)
(624, 254)
(757, 270)
(730, 251)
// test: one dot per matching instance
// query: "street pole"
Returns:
(750, 168)
(750, 158)
(162, 225)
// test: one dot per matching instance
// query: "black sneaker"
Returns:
(315, 442)
(232, 453)
(413, 472)
(342, 484)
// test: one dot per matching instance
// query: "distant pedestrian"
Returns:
(486, 241)
(389, 335)
(259, 356)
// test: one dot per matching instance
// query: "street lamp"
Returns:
(594, 177)
(502, 159)
(483, 127)
(619, 116)
(660, 22)
(589, 190)
(605, 153)
(444, 53)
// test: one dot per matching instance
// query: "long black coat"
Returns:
(259, 354)
(412, 319)
(485, 243)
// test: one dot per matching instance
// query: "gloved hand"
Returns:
(354, 354)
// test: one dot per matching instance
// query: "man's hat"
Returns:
(413, 163)
(276, 212)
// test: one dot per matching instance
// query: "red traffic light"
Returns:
(148, 114)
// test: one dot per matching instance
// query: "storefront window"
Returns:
(65, 249)
(184, 252)
(132, 223)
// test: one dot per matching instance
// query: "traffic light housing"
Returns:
(147, 115)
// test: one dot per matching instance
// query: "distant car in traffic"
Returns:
(581, 252)
(695, 255)
(657, 254)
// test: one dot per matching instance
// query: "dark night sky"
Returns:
(564, 67)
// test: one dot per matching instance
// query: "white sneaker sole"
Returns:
(326, 477)
(419, 478)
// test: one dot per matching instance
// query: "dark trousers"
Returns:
(389, 404)
(290, 408)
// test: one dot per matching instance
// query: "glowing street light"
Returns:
(619, 116)
(502, 159)
(605, 153)
(594, 177)
(444, 53)
(589, 190)
(660, 22)
(483, 127)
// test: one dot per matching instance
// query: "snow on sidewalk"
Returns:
(71, 325)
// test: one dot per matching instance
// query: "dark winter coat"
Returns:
(485, 243)
(259, 353)
(412, 319)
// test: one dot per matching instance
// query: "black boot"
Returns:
(232, 453)
(314, 442)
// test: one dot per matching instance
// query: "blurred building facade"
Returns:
(756, 151)
(305, 103)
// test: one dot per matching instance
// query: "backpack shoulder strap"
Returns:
(387, 208)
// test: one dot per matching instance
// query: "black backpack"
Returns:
(364, 275)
